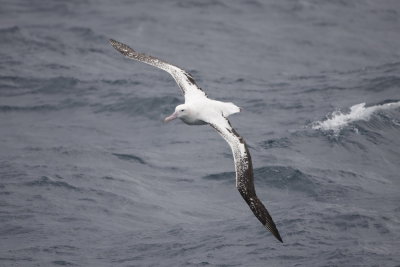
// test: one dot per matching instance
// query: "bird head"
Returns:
(181, 111)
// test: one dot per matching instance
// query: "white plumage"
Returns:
(198, 109)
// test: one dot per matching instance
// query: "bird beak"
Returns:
(171, 117)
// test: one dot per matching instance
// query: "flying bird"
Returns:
(198, 109)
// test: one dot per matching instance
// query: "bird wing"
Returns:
(183, 79)
(244, 172)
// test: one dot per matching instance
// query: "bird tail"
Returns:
(229, 109)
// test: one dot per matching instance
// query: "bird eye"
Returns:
(182, 110)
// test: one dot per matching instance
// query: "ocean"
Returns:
(90, 175)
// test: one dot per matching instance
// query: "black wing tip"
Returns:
(274, 231)
(121, 47)
(113, 42)
(278, 236)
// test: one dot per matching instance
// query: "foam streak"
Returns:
(337, 120)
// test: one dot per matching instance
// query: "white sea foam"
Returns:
(337, 120)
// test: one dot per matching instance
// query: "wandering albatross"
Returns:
(198, 109)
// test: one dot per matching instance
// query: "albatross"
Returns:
(198, 109)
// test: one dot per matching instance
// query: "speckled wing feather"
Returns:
(183, 79)
(244, 173)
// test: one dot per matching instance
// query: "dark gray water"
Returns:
(90, 176)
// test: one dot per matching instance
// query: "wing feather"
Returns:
(184, 79)
(244, 173)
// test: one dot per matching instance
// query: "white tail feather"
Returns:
(229, 109)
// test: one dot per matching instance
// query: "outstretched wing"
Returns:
(183, 79)
(244, 173)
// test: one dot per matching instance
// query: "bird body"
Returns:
(198, 109)
(198, 112)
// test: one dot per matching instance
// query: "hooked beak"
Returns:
(171, 117)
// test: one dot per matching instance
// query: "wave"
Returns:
(65, 104)
(129, 157)
(150, 107)
(18, 85)
(47, 181)
(27, 41)
(282, 142)
(338, 120)
(200, 4)
(6, 108)
(282, 177)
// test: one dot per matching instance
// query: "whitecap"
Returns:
(338, 120)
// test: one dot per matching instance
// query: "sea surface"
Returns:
(91, 176)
